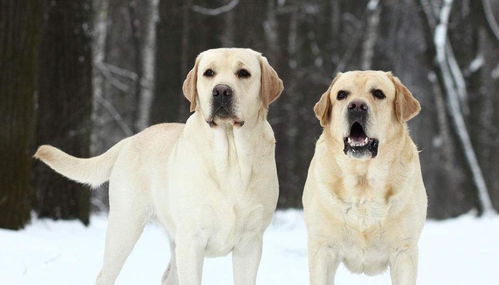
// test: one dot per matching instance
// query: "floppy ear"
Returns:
(271, 84)
(324, 107)
(406, 106)
(189, 88)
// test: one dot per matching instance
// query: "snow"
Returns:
(464, 250)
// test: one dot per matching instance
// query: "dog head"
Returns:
(231, 85)
(363, 109)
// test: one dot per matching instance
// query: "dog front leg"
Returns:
(189, 257)
(404, 266)
(246, 259)
(322, 262)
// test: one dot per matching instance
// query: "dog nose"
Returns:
(358, 106)
(222, 89)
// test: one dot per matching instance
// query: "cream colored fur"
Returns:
(214, 189)
(367, 214)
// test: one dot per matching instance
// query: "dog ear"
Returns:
(271, 84)
(406, 105)
(323, 108)
(190, 86)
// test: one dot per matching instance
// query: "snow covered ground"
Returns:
(464, 250)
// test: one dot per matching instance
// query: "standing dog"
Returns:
(212, 183)
(364, 199)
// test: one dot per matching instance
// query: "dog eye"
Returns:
(243, 73)
(378, 94)
(342, 94)
(209, 73)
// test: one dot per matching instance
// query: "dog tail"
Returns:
(93, 171)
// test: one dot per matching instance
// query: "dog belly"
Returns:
(219, 245)
(224, 238)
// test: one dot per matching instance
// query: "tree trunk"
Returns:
(482, 72)
(123, 64)
(168, 70)
(148, 59)
(454, 86)
(64, 104)
(19, 25)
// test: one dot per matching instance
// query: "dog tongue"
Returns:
(357, 138)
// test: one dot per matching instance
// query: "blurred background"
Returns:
(82, 75)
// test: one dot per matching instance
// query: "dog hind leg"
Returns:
(127, 218)
(170, 276)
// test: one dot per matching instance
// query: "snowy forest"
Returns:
(82, 75)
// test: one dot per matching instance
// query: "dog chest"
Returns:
(363, 200)
(365, 213)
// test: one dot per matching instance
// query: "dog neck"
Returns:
(231, 149)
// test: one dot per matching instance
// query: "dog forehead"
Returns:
(229, 58)
(365, 81)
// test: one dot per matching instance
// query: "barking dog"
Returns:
(364, 199)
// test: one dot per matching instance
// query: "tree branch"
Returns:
(121, 71)
(109, 77)
(215, 11)
(115, 115)
(491, 20)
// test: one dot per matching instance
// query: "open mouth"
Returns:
(358, 144)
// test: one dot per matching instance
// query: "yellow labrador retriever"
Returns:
(364, 199)
(212, 183)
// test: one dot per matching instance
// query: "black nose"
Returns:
(222, 89)
(357, 106)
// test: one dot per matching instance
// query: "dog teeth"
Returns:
(351, 142)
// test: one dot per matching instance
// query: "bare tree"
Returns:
(455, 88)
(374, 11)
(148, 58)
(168, 70)
(19, 27)
(64, 104)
